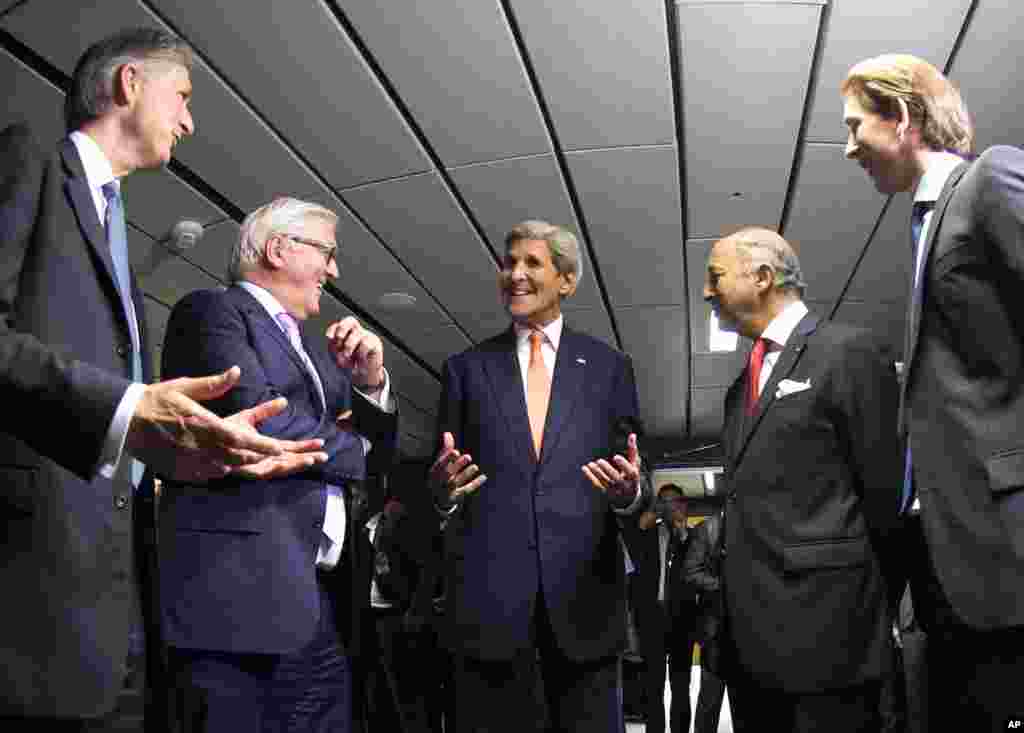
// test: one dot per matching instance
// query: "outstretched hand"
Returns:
(453, 475)
(620, 477)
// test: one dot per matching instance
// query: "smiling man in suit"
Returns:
(962, 396)
(258, 578)
(812, 476)
(73, 370)
(533, 558)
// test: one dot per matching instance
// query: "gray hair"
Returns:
(92, 83)
(279, 216)
(563, 245)
(765, 247)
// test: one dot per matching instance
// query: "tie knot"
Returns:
(536, 339)
(110, 192)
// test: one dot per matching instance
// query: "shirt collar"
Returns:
(270, 304)
(934, 179)
(552, 332)
(97, 168)
(781, 327)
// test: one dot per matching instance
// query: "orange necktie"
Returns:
(538, 391)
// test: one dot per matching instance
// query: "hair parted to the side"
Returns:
(563, 245)
(763, 246)
(277, 217)
(933, 101)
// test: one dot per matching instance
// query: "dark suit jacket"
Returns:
(65, 362)
(535, 527)
(812, 478)
(237, 571)
(703, 575)
(964, 396)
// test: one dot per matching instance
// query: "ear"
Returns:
(127, 83)
(903, 127)
(273, 251)
(568, 286)
(765, 276)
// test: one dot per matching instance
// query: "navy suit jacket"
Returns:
(237, 556)
(813, 485)
(536, 527)
(65, 363)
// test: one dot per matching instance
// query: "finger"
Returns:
(255, 415)
(605, 471)
(346, 415)
(282, 465)
(627, 469)
(593, 478)
(205, 388)
(632, 450)
(456, 466)
(463, 491)
(466, 475)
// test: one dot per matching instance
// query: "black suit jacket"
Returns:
(813, 478)
(964, 390)
(679, 611)
(65, 363)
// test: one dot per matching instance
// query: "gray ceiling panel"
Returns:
(720, 369)
(885, 319)
(157, 200)
(420, 222)
(214, 249)
(990, 75)
(591, 321)
(630, 200)
(315, 88)
(697, 252)
(742, 120)
(707, 412)
(884, 273)
(656, 339)
(167, 279)
(833, 213)
(505, 192)
(39, 103)
(921, 27)
(603, 70)
(473, 99)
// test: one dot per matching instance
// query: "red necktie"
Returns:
(754, 374)
(538, 390)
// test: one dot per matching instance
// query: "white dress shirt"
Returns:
(777, 334)
(98, 173)
(929, 189)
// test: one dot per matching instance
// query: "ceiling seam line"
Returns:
(964, 27)
(560, 159)
(860, 259)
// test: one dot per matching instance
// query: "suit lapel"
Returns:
(783, 367)
(570, 369)
(502, 368)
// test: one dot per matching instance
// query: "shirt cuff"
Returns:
(381, 397)
(113, 444)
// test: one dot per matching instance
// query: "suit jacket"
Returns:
(964, 390)
(238, 570)
(813, 479)
(65, 362)
(536, 527)
(703, 575)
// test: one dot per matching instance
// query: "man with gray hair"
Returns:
(74, 368)
(258, 578)
(547, 417)
(812, 475)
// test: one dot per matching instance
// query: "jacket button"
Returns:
(122, 350)
(121, 501)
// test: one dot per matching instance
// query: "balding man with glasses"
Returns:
(259, 577)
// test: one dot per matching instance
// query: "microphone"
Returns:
(184, 235)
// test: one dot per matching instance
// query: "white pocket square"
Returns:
(790, 386)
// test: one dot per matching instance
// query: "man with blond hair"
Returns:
(962, 395)
(258, 578)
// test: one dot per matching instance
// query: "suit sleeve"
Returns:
(207, 335)
(71, 403)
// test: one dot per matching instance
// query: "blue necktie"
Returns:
(916, 225)
(117, 239)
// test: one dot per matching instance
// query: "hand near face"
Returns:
(454, 475)
(618, 478)
(355, 348)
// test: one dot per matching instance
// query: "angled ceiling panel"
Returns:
(860, 29)
(630, 200)
(990, 75)
(472, 97)
(603, 69)
(312, 73)
(503, 193)
(656, 339)
(884, 273)
(591, 321)
(156, 200)
(719, 369)
(833, 213)
(39, 103)
(420, 221)
(697, 252)
(707, 412)
(166, 279)
(742, 120)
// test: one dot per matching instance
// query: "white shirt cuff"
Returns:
(382, 397)
(113, 444)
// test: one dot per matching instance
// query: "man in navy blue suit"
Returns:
(258, 579)
(534, 565)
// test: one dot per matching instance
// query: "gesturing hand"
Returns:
(453, 475)
(620, 481)
(355, 348)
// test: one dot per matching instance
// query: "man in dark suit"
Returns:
(962, 395)
(533, 560)
(665, 607)
(261, 582)
(73, 363)
(812, 471)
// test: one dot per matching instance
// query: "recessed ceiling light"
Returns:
(396, 300)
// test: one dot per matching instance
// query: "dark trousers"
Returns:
(973, 677)
(709, 702)
(661, 638)
(583, 696)
(305, 691)
(848, 710)
(408, 679)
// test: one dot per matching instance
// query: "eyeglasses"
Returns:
(327, 248)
